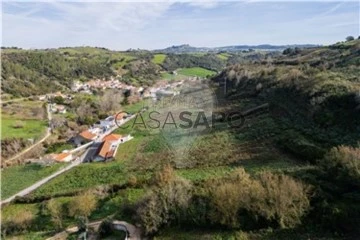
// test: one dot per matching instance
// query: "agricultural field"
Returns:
(23, 119)
(195, 72)
(224, 56)
(172, 77)
(16, 178)
(158, 58)
(20, 128)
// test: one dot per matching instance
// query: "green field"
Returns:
(172, 77)
(133, 108)
(159, 58)
(195, 72)
(31, 128)
(223, 56)
(15, 179)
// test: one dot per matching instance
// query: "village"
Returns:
(98, 143)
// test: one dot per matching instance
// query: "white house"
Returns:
(110, 145)
(108, 122)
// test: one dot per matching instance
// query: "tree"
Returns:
(273, 197)
(56, 211)
(229, 197)
(57, 121)
(282, 199)
(84, 112)
(164, 202)
(343, 162)
(81, 207)
(58, 100)
(349, 38)
(110, 101)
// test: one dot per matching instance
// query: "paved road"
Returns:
(83, 158)
(42, 181)
(132, 232)
(48, 133)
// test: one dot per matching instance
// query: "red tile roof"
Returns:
(87, 135)
(120, 116)
(106, 150)
(60, 157)
(112, 137)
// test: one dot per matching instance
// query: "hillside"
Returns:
(34, 72)
(186, 48)
(289, 171)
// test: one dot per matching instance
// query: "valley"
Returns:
(290, 170)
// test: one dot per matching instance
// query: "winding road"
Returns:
(132, 232)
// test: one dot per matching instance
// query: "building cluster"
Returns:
(105, 144)
(98, 84)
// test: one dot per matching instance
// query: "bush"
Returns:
(349, 38)
(18, 124)
(276, 198)
(344, 163)
(282, 199)
(164, 202)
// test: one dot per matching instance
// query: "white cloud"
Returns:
(76, 22)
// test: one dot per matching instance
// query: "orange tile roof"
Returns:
(60, 157)
(106, 150)
(120, 116)
(112, 137)
(87, 135)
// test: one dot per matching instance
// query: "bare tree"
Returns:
(57, 121)
(84, 110)
(110, 101)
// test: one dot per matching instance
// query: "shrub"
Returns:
(56, 211)
(282, 199)
(18, 124)
(18, 222)
(343, 162)
(349, 38)
(273, 197)
(82, 206)
(164, 202)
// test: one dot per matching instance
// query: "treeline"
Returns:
(315, 107)
(238, 201)
(325, 198)
(27, 73)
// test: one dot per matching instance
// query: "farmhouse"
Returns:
(110, 145)
(120, 117)
(86, 136)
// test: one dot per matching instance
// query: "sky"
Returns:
(120, 25)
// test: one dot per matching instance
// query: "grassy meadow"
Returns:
(16, 178)
(195, 72)
(23, 119)
(158, 58)
(30, 128)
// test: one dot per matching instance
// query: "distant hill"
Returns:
(186, 48)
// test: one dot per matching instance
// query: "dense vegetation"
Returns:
(35, 72)
(290, 172)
